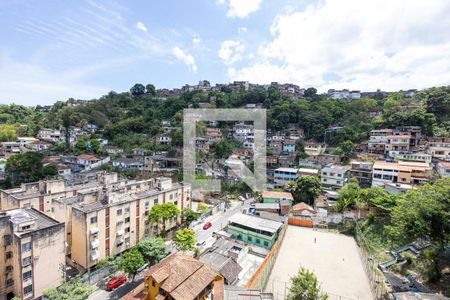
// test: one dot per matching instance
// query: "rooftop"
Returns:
(256, 223)
(29, 215)
(279, 195)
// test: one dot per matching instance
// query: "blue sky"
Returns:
(53, 50)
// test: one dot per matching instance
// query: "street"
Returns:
(102, 294)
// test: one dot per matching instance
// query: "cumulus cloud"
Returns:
(231, 51)
(141, 26)
(186, 58)
(375, 44)
(240, 8)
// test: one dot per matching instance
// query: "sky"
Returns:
(53, 50)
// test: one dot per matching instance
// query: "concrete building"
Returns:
(378, 140)
(443, 168)
(439, 153)
(289, 146)
(334, 177)
(105, 224)
(34, 253)
(126, 163)
(417, 157)
(397, 143)
(325, 159)
(362, 171)
(308, 172)
(254, 230)
(276, 197)
(281, 176)
(313, 148)
(400, 172)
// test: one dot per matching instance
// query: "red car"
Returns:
(207, 225)
(115, 283)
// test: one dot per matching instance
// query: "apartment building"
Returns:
(399, 172)
(104, 224)
(50, 135)
(415, 133)
(417, 157)
(397, 143)
(439, 153)
(281, 176)
(334, 177)
(313, 148)
(362, 171)
(242, 131)
(213, 134)
(325, 159)
(443, 168)
(378, 140)
(33, 253)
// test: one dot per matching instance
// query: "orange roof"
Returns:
(138, 293)
(279, 195)
(87, 157)
(302, 206)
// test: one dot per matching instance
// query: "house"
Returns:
(9, 148)
(325, 159)
(25, 140)
(39, 146)
(139, 151)
(254, 230)
(33, 250)
(287, 161)
(164, 139)
(213, 134)
(334, 177)
(362, 171)
(281, 176)
(126, 163)
(303, 210)
(113, 150)
(308, 171)
(275, 197)
(50, 135)
(397, 143)
(378, 140)
(202, 144)
(242, 131)
(289, 146)
(179, 276)
(276, 146)
(417, 157)
(440, 152)
(399, 172)
(89, 161)
(314, 148)
(443, 168)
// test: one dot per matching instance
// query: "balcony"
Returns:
(94, 244)
(95, 255)
(93, 230)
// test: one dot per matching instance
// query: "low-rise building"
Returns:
(281, 176)
(254, 230)
(308, 172)
(33, 248)
(334, 177)
(439, 153)
(289, 146)
(417, 157)
(90, 161)
(126, 163)
(325, 159)
(276, 197)
(378, 140)
(179, 276)
(399, 172)
(113, 150)
(362, 171)
(397, 143)
(443, 168)
(314, 148)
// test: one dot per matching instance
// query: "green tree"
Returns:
(137, 89)
(152, 249)
(202, 208)
(185, 239)
(189, 216)
(7, 132)
(73, 289)
(27, 167)
(161, 213)
(150, 88)
(307, 189)
(131, 261)
(223, 148)
(344, 149)
(305, 286)
(310, 92)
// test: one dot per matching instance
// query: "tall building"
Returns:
(33, 245)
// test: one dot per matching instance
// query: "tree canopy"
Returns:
(185, 239)
(152, 249)
(305, 286)
(131, 261)
(73, 289)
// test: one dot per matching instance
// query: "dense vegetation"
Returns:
(130, 119)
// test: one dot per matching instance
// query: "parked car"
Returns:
(142, 268)
(201, 243)
(207, 225)
(115, 282)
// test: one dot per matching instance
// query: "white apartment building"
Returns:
(334, 177)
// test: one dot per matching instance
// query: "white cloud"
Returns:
(240, 8)
(141, 26)
(196, 41)
(375, 44)
(186, 58)
(231, 51)
(242, 29)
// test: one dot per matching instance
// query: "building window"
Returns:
(119, 212)
(93, 220)
(9, 282)
(26, 247)
(324, 179)
(127, 209)
(127, 240)
(26, 227)
(258, 241)
(339, 175)
(249, 238)
(155, 201)
(153, 283)
(8, 255)
(127, 220)
(8, 269)
(266, 243)
(28, 289)
(127, 230)
(8, 240)
(26, 261)
(338, 181)
(27, 275)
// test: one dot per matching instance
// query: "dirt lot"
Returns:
(332, 257)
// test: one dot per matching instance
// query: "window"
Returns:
(8, 239)
(26, 247)
(127, 230)
(26, 227)
(120, 243)
(339, 175)
(8, 269)
(324, 179)
(119, 212)
(8, 255)
(93, 220)
(147, 204)
(153, 283)
(338, 181)
(155, 201)
(266, 243)
(324, 173)
(127, 220)
(170, 196)
(9, 282)
(28, 289)
(258, 241)
(26, 275)
(176, 202)
(26, 261)
(127, 209)
(127, 240)
(249, 238)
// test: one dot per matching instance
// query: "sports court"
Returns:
(334, 258)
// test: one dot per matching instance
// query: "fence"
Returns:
(260, 277)
(376, 277)
(302, 222)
